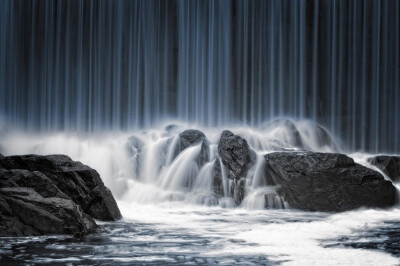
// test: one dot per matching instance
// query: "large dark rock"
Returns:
(390, 165)
(327, 182)
(78, 182)
(235, 154)
(192, 137)
(30, 204)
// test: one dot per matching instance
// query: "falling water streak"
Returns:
(397, 70)
(281, 74)
(376, 76)
(315, 57)
(333, 68)
(354, 77)
(364, 76)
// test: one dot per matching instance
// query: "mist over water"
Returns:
(167, 222)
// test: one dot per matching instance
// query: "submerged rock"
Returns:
(390, 165)
(235, 154)
(327, 182)
(57, 190)
(304, 136)
(292, 135)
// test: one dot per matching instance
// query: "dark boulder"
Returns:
(193, 137)
(327, 182)
(78, 182)
(390, 165)
(30, 204)
(235, 154)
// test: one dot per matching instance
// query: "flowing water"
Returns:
(121, 64)
(167, 221)
(97, 80)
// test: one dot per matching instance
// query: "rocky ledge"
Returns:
(42, 195)
(327, 182)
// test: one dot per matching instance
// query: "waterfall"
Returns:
(142, 166)
(90, 66)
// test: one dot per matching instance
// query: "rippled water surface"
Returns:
(187, 234)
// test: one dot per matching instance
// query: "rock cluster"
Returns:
(307, 180)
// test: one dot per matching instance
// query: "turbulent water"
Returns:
(165, 221)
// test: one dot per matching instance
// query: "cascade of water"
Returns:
(118, 65)
(142, 166)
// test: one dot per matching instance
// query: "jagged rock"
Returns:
(30, 204)
(390, 165)
(235, 154)
(79, 182)
(192, 137)
(327, 182)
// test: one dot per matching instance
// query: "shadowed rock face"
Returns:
(327, 182)
(30, 204)
(390, 165)
(235, 154)
(52, 187)
(79, 182)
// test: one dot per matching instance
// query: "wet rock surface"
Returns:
(52, 195)
(235, 154)
(390, 165)
(40, 208)
(327, 182)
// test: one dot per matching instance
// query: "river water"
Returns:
(165, 222)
